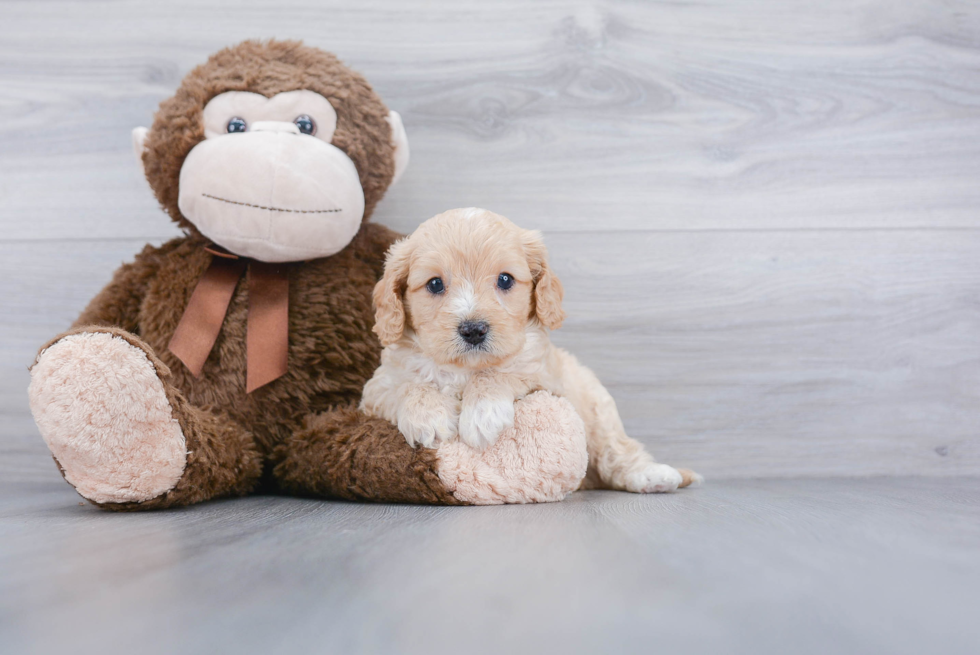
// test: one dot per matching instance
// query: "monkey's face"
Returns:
(267, 183)
(273, 150)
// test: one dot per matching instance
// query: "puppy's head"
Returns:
(467, 283)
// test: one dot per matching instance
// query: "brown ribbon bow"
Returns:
(267, 335)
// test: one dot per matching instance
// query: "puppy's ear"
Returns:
(389, 311)
(548, 291)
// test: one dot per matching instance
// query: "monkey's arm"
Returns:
(118, 304)
(343, 453)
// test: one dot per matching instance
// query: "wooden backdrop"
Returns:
(766, 213)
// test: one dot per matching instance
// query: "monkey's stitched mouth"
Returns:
(272, 209)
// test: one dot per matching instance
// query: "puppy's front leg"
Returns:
(487, 408)
(425, 416)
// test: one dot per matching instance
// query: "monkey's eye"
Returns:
(236, 125)
(505, 281)
(305, 124)
(435, 286)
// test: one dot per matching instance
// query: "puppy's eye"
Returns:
(435, 286)
(505, 281)
(305, 124)
(236, 125)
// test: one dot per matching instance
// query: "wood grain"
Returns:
(766, 214)
(888, 565)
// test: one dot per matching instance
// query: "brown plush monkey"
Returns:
(237, 353)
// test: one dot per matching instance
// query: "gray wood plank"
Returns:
(622, 115)
(887, 565)
(739, 354)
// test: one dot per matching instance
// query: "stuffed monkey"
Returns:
(236, 353)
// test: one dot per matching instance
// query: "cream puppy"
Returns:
(464, 310)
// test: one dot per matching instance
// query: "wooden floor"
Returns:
(884, 565)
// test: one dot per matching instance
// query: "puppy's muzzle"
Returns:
(474, 332)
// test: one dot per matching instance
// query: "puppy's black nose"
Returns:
(474, 332)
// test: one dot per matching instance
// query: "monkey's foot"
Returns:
(104, 414)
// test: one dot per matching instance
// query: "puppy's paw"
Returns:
(652, 478)
(482, 421)
(429, 422)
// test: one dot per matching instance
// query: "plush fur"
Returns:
(231, 436)
(435, 384)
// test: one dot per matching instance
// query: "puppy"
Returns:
(464, 310)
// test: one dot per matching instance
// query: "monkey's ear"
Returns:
(400, 140)
(139, 141)
(548, 291)
(389, 310)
